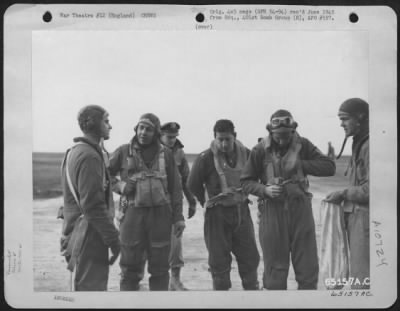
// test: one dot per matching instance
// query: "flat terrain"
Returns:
(50, 271)
(46, 175)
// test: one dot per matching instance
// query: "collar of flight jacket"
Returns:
(267, 141)
(358, 141)
(178, 145)
(149, 153)
(91, 144)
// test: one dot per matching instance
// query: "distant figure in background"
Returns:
(354, 117)
(169, 133)
(276, 172)
(331, 151)
(144, 173)
(88, 228)
(228, 227)
(259, 139)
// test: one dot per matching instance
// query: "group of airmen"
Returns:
(151, 173)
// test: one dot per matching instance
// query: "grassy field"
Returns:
(46, 175)
(50, 272)
(47, 180)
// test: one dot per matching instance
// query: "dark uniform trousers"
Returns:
(92, 266)
(286, 232)
(145, 230)
(226, 230)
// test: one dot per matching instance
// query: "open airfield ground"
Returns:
(50, 273)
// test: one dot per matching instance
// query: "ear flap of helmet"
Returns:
(90, 124)
(362, 117)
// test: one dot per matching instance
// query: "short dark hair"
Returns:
(89, 116)
(224, 126)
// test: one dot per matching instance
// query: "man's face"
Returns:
(282, 139)
(225, 141)
(350, 124)
(145, 133)
(168, 139)
(105, 127)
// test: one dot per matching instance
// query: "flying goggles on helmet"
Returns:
(281, 123)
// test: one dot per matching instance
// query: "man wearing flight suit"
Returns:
(354, 117)
(169, 133)
(145, 175)
(88, 228)
(228, 227)
(276, 172)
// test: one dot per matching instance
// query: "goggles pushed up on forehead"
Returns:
(282, 121)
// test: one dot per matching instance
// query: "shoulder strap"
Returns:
(267, 159)
(242, 154)
(297, 146)
(161, 162)
(70, 186)
(221, 174)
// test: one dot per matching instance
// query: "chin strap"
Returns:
(341, 150)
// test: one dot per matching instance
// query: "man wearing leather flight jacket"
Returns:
(228, 227)
(144, 173)
(276, 172)
(88, 228)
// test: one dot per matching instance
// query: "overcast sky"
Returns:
(196, 78)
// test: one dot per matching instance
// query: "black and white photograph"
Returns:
(235, 155)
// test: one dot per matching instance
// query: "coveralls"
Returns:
(86, 239)
(149, 212)
(228, 226)
(176, 256)
(356, 208)
(287, 226)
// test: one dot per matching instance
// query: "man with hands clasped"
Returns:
(276, 172)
